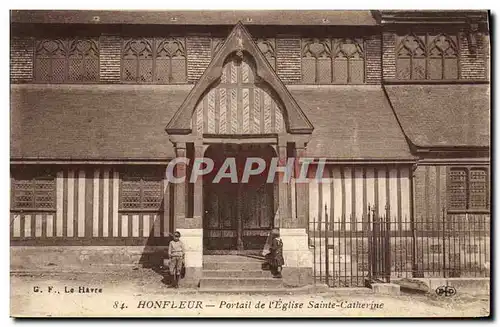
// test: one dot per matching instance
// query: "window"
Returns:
(427, 56)
(141, 191)
(154, 60)
(34, 191)
(67, 60)
(468, 189)
(333, 61)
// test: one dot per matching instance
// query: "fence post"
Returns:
(444, 242)
(327, 258)
(375, 243)
(314, 249)
(387, 243)
(369, 239)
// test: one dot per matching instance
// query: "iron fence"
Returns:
(350, 253)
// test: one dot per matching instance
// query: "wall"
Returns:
(87, 213)
(347, 191)
(282, 50)
(472, 64)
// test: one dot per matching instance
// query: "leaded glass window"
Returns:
(141, 191)
(458, 189)
(468, 189)
(66, 60)
(333, 61)
(154, 60)
(34, 192)
(478, 189)
(424, 56)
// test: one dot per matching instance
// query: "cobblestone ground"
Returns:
(122, 293)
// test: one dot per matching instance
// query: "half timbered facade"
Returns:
(394, 105)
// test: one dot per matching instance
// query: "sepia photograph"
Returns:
(250, 163)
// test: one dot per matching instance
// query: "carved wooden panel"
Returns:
(478, 188)
(67, 60)
(426, 56)
(141, 190)
(154, 60)
(34, 193)
(458, 189)
(239, 104)
(333, 61)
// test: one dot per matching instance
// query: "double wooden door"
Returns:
(238, 216)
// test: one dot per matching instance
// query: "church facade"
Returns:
(386, 112)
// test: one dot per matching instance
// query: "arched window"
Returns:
(50, 61)
(333, 61)
(348, 61)
(83, 60)
(411, 58)
(138, 60)
(316, 62)
(67, 60)
(426, 56)
(170, 61)
(443, 57)
(149, 60)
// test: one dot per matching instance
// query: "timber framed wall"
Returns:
(348, 191)
(89, 207)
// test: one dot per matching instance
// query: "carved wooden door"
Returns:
(238, 216)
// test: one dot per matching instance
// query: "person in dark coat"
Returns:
(276, 260)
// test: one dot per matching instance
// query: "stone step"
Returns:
(222, 283)
(232, 258)
(242, 265)
(260, 291)
(237, 273)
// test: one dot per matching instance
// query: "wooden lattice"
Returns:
(468, 189)
(427, 56)
(141, 193)
(34, 194)
(67, 60)
(154, 60)
(333, 61)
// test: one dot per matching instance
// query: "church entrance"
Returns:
(238, 216)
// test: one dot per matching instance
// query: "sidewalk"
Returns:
(133, 284)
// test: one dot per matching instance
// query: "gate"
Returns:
(355, 252)
(351, 254)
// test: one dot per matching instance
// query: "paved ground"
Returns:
(122, 293)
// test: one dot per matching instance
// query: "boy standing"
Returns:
(176, 256)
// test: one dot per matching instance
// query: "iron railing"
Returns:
(350, 254)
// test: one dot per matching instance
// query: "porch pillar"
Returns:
(285, 212)
(296, 252)
(180, 188)
(199, 151)
(301, 187)
(189, 227)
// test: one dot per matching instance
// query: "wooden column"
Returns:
(199, 151)
(301, 188)
(285, 212)
(180, 188)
